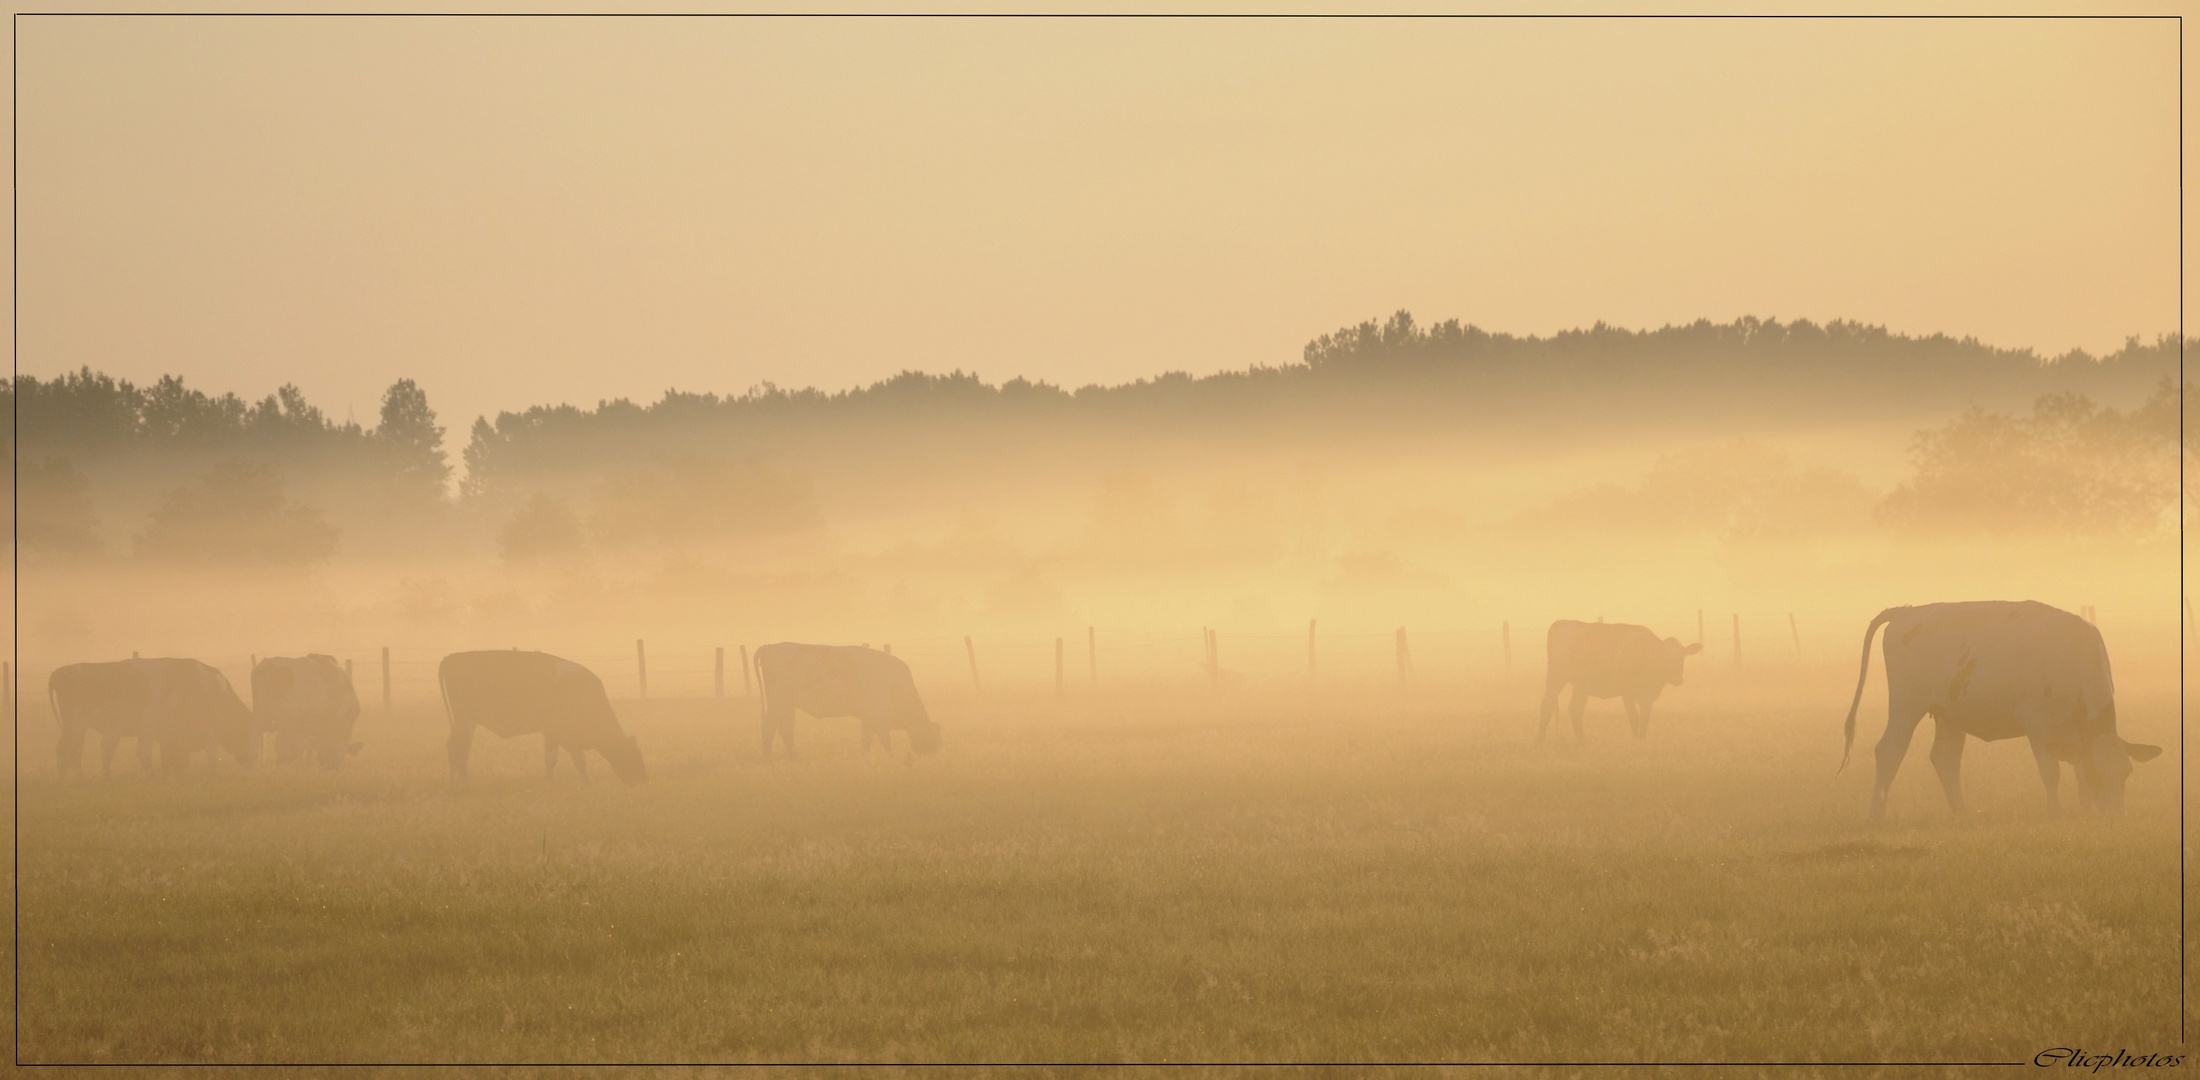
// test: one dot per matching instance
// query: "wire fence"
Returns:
(1098, 659)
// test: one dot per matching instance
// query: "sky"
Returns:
(520, 211)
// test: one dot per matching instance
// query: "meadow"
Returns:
(1250, 876)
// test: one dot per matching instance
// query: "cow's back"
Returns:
(110, 698)
(839, 680)
(1977, 664)
(1604, 659)
(520, 693)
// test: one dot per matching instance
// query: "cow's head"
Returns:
(625, 756)
(1675, 652)
(2105, 765)
(237, 727)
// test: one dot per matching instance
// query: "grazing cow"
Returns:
(527, 693)
(1997, 669)
(183, 706)
(308, 702)
(1606, 660)
(842, 680)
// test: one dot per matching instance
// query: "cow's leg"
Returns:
(461, 747)
(1947, 755)
(1902, 721)
(286, 748)
(1638, 716)
(2050, 775)
(69, 752)
(145, 755)
(580, 761)
(172, 758)
(1574, 709)
(1551, 687)
(108, 744)
(549, 756)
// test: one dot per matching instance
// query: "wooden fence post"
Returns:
(385, 679)
(1737, 639)
(1798, 634)
(1310, 652)
(746, 689)
(641, 667)
(972, 650)
(1214, 658)
(718, 670)
(1057, 667)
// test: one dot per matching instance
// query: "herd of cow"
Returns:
(1986, 669)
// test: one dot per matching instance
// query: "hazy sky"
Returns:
(516, 211)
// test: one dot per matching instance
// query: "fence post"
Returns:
(1092, 654)
(1737, 639)
(1507, 630)
(1057, 667)
(641, 667)
(1214, 659)
(1798, 635)
(1310, 652)
(972, 650)
(385, 679)
(746, 689)
(718, 670)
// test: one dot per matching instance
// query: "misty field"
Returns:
(1201, 877)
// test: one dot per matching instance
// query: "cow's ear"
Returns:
(1692, 649)
(2142, 752)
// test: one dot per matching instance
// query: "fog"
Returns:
(1462, 495)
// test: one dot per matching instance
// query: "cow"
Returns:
(526, 693)
(1998, 669)
(829, 681)
(181, 706)
(308, 702)
(1606, 660)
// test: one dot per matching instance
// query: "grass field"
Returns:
(1236, 878)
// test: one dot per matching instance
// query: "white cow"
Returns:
(842, 680)
(309, 703)
(1997, 669)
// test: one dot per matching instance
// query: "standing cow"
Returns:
(1997, 669)
(527, 693)
(309, 703)
(182, 706)
(842, 680)
(1607, 660)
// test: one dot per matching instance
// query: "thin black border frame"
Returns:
(15, 459)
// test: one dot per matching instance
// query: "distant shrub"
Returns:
(2071, 466)
(544, 528)
(237, 514)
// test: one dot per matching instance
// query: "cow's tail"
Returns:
(443, 690)
(1848, 727)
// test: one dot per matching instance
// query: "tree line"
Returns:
(2071, 460)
